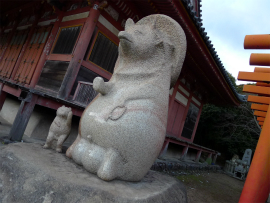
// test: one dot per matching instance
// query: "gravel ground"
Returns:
(212, 187)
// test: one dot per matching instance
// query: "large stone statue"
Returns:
(122, 130)
(60, 128)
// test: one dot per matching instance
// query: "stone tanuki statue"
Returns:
(60, 128)
(122, 130)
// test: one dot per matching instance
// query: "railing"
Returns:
(84, 93)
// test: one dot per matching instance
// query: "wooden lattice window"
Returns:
(104, 53)
(66, 39)
(32, 54)
(12, 53)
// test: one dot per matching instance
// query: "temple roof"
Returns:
(197, 20)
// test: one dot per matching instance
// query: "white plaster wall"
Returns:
(39, 122)
(10, 109)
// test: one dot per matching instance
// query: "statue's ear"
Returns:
(154, 24)
(129, 23)
(158, 39)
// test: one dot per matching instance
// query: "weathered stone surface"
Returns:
(29, 173)
(60, 128)
(123, 129)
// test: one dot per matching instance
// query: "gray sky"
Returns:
(227, 22)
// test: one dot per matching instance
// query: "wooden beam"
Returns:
(261, 123)
(260, 113)
(264, 84)
(256, 89)
(260, 118)
(254, 76)
(262, 70)
(260, 107)
(259, 59)
(257, 42)
(257, 99)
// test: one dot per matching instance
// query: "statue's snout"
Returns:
(123, 35)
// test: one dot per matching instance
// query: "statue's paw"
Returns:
(45, 146)
(109, 168)
(106, 175)
(59, 150)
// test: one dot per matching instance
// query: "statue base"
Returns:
(30, 173)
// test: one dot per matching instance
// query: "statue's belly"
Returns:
(128, 128)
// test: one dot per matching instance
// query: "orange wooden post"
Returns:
(260, 118)
(257, 76)
(260, 107)
(257, 185)
(257, 99)
(260, 113)
(257, 42)
(256, 89)
(260, 59)
(262, 69)
(264, 84)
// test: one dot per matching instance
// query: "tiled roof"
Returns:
(198, 22)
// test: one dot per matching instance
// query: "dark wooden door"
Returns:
(175, 118)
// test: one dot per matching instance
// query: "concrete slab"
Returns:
(29, 173)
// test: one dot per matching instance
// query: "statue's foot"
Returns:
(45, 146)
(71, 148)
(59, 150)
(110, 166)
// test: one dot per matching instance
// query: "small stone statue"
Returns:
(60, 128)
(122, 130)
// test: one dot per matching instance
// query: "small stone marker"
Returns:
(247, 156)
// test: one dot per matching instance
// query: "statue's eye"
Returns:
(138, 32)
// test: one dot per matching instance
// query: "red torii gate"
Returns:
(257, 185)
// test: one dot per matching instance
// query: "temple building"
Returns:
(50, 52)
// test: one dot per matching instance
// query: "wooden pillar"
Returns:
(3, 96)
(46, 49)
(198, 156)
(23, 115)
(164, 148)
(79, 52)
(184, 153)
(29, 37)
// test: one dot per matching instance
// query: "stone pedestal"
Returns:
(32, 174)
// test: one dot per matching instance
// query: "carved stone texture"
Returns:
(60, 128)
(29, 174)
(123, 129)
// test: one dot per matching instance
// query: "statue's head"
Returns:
(63, 111)
(155, 37)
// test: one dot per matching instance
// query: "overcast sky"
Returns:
(227, 22)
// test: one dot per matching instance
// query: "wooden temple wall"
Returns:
(47, 55)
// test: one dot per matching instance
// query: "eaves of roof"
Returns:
(199, 25)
